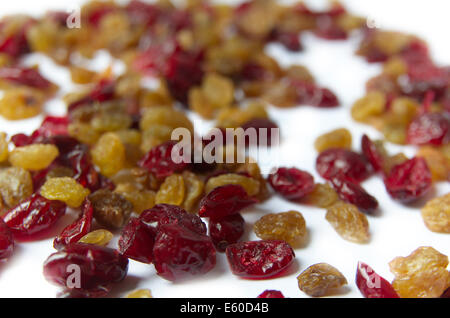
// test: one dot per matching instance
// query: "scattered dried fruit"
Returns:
(110, 209)
(225, 231)
(97, 237)
(372, 285)
(292, 183)
(65, 189)
(436, 214)
(33, 157)
(320, 280)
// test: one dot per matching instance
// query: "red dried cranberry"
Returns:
(409, 180)
(103, 91)
(259, 259)
(6, 241)
(179, 253)
(20, 140)
(291, 183)
(25, 76)
(225, 200)
(372, 285)
(310, 94)
(353, 193)
(429, 128)
(33, 216)
(446, 293)
(336, 161)
(290, 40)
(260, 125)
(15, 45)
(75, 231)
(96, 14)
(52, 126)
(84, 172)
(371, 153)
(137, 240)
(98, 267)
(142, 13)
(253, 72)
(226, 231)
(271, 294)
(159, 161)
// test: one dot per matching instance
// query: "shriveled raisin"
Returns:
(15, 185)
(33, 157)
(348, 222)
(422, 274)
(193, 190)
(320, 280)
(436, 214)
(4, 152)
(109, 154)
(250, 185)
(65, 189)
(21, 103)
(436, 161)
(373, 104)
(110, 209)
(287, 226)
(98, 237)
(322, 196)
(338, 138)
(172, 191)
(141, 199)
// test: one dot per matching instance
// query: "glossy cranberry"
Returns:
(6, 241)
(52, 126)
(372, 285)
(263, 128)
(98, 267)
(353, 193)
(159, 161)
(290, 40)
(137, 240)
(179, 253)
(84, 171)
(103, 91)
(271, 294)
(75, 231)
(25, 76)
(371, 153)
(33, 216)
(429, 128)
(226, 231)
(223, 201)
(171, 214)
(291, 183)
(311, 94)
(15, 45)
(259, 259)
(337, 161)
(409, 180)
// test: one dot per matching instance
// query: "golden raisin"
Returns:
(391, 161)
(287, 226)
(109, 154)
(15, 185)
(21, 103)
(436, 214)
(338, 138)
(83, 133)
(65, 189)
(80, 75)
(250, 185)
(349, 222)
(373, 104)
(140, 293)
(33, 157)
(193, 190)
(3, 147)
(172, 191)
(436, 162)
(98, 237)
(141, 199)
(323, 196)
(422, 274)
(320, 280)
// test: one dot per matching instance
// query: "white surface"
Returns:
(398, 230)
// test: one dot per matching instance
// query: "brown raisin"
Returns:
(320, 280)
(15, 185)
(323, 196)
(110, 209)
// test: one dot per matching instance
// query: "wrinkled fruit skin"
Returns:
(33, 216)
(372, 285)
(6, 241)
(75, 231)
(320, 279)
(409, 181)
(292, 183)
(226, 231)
(353, 193)
(179, 253)
(335, 161)
(223, 201)
(137, 240)
(259, 259)
(271, 294)
(429, 128)
(371, 153)
(99, 267)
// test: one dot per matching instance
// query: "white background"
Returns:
(398, 229)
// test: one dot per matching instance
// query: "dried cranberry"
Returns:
(353, 166)
(20, 140)
(103, 91)
(311, 94)
(25, 76)
(226, 231)
(353, 193)
(263, 128)
(271, 294)
(96, 14)
(159, 161)
(291, 183)
(372, 285)
(97, 266)
(6, 241)
(253, 72)
(52, 126)
(224, 200)
(259, 259)
(142, 13)
(429, 128)
(409, 180)
(75, 231)
(15, 45)
(371, 153)
(33, 216)
(84, 172)
(179, 253)
(137, 240)
(446, 293)
(290, 40)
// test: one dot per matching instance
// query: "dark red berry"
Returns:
(79, 160)
(16, 44)
(75, 231)
(52, 126)
(142, 13)
(371, 153)
(226, 231)
(263, 132)
(353, 193)
(429, 128)
(6, 241)
(137, 240)
(33, 216)
(291, 183)
(225, 200)
(271, 294)
(103, 91)
(311, 94)
(25, 76)
(290, 40)
(372, 285)
(336, 161)
(409, 180)
(179, 253)
(259, 259)
(98, 267)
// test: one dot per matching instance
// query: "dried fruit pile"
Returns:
(109, 160)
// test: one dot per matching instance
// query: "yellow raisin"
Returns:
(436, 161)
(65, 189)
(83, 133)
(320, 280)
(323, 196)
(98, 237)
(194, 190)
(172, 191)
(338, 138)
(403, 110)
(21, 103)
(141, 199)
(140, 293)
(81, 75)
(395, 67)
(4, 152)
(287, 226)
(33, 157)
(109, 154)
(391, 161)
(371, 105)
(250, 185)
(422, 274)
(436, 214)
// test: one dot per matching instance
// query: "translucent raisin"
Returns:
(33, 157)
(172, 191)
(348, 222)
(21, 103)
(436, 214)
(66, 189)
(287, 226)
(422, 274)
(97, 237)
(109, 154)
(110, 209)
(323, 196)
(338, 138)
(15, 185)
(3, 147)
(193, 190)
(249, 184)
(141, 199)
(320, 280)
(373, 104)
(140, 293)
(436, 161)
